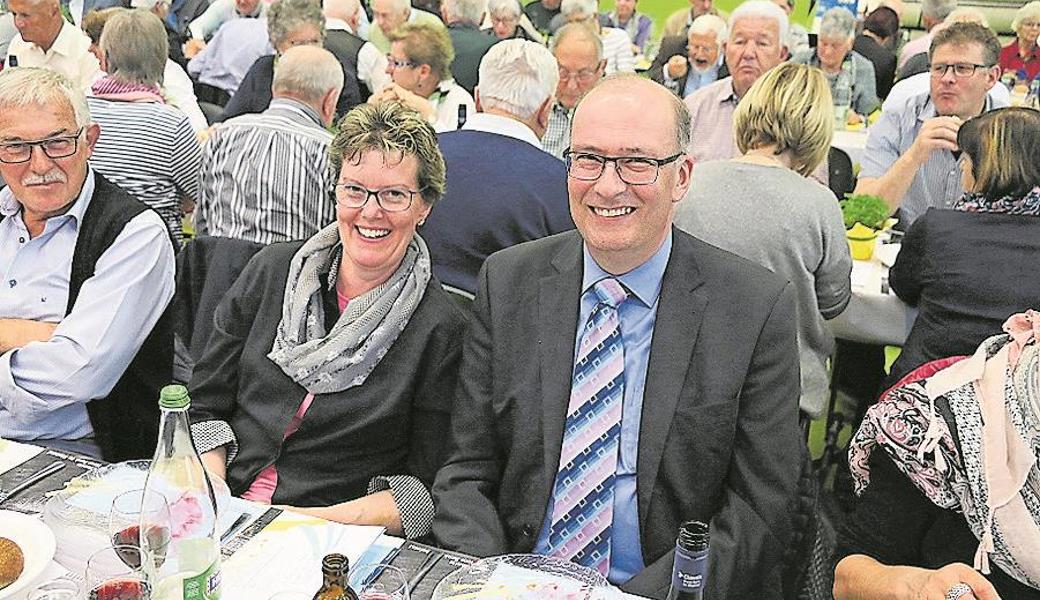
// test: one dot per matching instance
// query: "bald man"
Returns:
(585, 431)
(46, 39)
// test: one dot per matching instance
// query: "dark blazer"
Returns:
(967, 273)
(676, 45)
(719, 437)
(471, 44)
(392, 424)
(254, 93)
(884, 62)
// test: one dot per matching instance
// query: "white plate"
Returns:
(36, 542)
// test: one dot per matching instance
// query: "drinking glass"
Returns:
(135, 511)
(379, 582)
(56, 589)
(108, 575)
(842, 103)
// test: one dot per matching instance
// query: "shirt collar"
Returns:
(64, 44)
(726, 92)
(643, 282)
(296, 106)
(502, 126)
(10, 206)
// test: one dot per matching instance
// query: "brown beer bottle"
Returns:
(334, 570)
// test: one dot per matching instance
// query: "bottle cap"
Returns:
(174, 397)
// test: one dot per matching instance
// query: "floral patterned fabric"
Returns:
(1025, 205)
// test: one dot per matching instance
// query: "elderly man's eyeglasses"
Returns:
(59, 146)
(399, 64)
(959, 69)
(633, 170)
(582, 76)
(350, 195)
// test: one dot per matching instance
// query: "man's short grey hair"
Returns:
(504, 8)
(838, 23)
(35, 86)
(580, 33)
(517, 76)
(466, 11)
(709, 25)
(135, 46)
(761, 9)
(283, 16)
(937, 10)
(308, 73)
(347, 8)
(569, 8)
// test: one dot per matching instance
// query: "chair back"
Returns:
(839, 172)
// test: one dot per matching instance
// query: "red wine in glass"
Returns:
(121, 589)
(158, 540)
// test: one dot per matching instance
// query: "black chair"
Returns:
(839, 177)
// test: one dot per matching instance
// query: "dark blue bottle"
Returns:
(690, 569)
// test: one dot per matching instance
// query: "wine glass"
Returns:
(56, 589)
(135, 511)
(379, 582)
(109, 576)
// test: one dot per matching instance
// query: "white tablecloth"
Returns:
(875, 315)
(852, 142)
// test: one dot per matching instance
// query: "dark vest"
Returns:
(346, 46)
(126, 422)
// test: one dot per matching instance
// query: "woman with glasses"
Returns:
(764, 207)
(1022, 55)
(419, 64)
(506, 21)
(327, 383)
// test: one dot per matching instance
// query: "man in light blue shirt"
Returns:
(80, 294)
(619, 380)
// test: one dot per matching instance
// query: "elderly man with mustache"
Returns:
(87, 274)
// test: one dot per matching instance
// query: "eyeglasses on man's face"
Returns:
(960, 70)
(391, 199)
(582, 76)
(59, 146)
(398, 64)
(633, 170)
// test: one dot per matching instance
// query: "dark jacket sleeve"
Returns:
(670, 46)
(467, 486)
(245, 99)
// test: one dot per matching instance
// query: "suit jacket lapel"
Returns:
(679, 313)
(559, 299)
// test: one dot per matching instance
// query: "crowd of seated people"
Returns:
(492, 289)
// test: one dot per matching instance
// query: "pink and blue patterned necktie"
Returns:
(583, 507)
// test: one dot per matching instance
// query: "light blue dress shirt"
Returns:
(44, 386)
(695, 80)
(637, 316)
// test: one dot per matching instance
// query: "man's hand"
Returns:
(677, 67)
(938, 133)
(15, 333)
(193, 47)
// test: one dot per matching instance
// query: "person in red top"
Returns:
(1022, 53)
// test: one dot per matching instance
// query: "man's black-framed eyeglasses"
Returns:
(59, 146)
(633, 170)
(391, 199)
(961, 70)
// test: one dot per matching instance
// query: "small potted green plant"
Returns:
(864, 216)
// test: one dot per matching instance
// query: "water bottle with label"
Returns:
(187, 567)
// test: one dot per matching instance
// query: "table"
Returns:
(875, 315)
(852, 142)
(284, 554)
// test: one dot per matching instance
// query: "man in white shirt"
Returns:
(497, 149)
(46, 39)
(342, 27)
(218, 13)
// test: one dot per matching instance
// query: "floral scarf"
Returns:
(1010, 205)
(990, 473)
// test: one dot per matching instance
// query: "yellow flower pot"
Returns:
(862, 240)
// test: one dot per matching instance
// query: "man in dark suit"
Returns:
(463, 18)
(503, 189)
(684, 399)
(686, 63)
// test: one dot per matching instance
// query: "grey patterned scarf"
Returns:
(326, 363)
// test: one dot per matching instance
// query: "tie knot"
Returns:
(609, 291)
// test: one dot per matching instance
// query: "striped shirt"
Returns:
(149, 150)
(617, 49)
(938, 182)
(265, 176)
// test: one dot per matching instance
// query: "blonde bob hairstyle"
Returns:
(790, 107)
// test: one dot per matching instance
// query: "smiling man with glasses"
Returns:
(617, 380)
(911, 154)
(87, 273)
